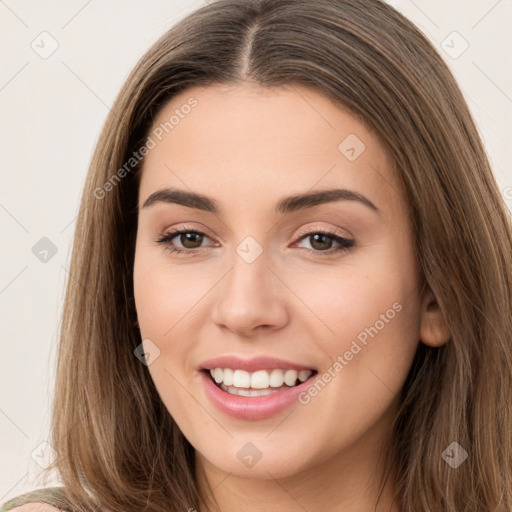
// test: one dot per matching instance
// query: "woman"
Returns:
(217, 355)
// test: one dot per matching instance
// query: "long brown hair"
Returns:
(118, 447)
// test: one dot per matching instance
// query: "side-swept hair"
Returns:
(118, 447)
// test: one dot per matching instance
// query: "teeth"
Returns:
(227, 377)
(217, 375)
(304, 375)
(276, 378)
(248, 392)
(261, 379)
(241, 379)
(290, 377)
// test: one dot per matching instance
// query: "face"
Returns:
(325, 287)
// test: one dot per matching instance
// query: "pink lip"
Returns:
(252, 365)
(255, 407)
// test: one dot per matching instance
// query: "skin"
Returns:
(248, 147)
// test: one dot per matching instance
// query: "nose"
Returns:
(250, 297)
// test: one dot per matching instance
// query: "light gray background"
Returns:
(52, 110)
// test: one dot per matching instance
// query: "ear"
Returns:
(434, 330)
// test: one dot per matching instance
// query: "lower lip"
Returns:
(252, 408)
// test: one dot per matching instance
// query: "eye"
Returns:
(191, 240)
(321, 242)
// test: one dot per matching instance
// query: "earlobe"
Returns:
(434, 331)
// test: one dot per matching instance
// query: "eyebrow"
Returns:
(284, 206)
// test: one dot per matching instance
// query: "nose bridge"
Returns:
(251, 261)
(248, 279)
(249, 295)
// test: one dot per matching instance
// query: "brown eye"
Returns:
(191, 239)
(320, 242)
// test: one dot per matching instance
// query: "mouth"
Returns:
(254, 388)
(235, 381)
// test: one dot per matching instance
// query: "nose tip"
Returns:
(249, 296)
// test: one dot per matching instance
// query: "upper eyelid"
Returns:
(183, 229)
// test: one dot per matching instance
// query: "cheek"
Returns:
(164, 298)
(368, 348)
(369, 312)
(165, 294)
(377, 287)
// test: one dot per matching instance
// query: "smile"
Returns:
(258, 383)
(245, 402)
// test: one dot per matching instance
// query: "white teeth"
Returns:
(276, 378)
(241, 379)
(228, 377)
(218, 375)
(248, 392)
(304, 375)
(258, 380)
(290, 377)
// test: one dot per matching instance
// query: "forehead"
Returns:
(263, 141)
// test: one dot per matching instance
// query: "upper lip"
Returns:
(253, 364)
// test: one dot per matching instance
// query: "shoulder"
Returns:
(50, 499)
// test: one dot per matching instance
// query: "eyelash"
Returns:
(345, 243)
